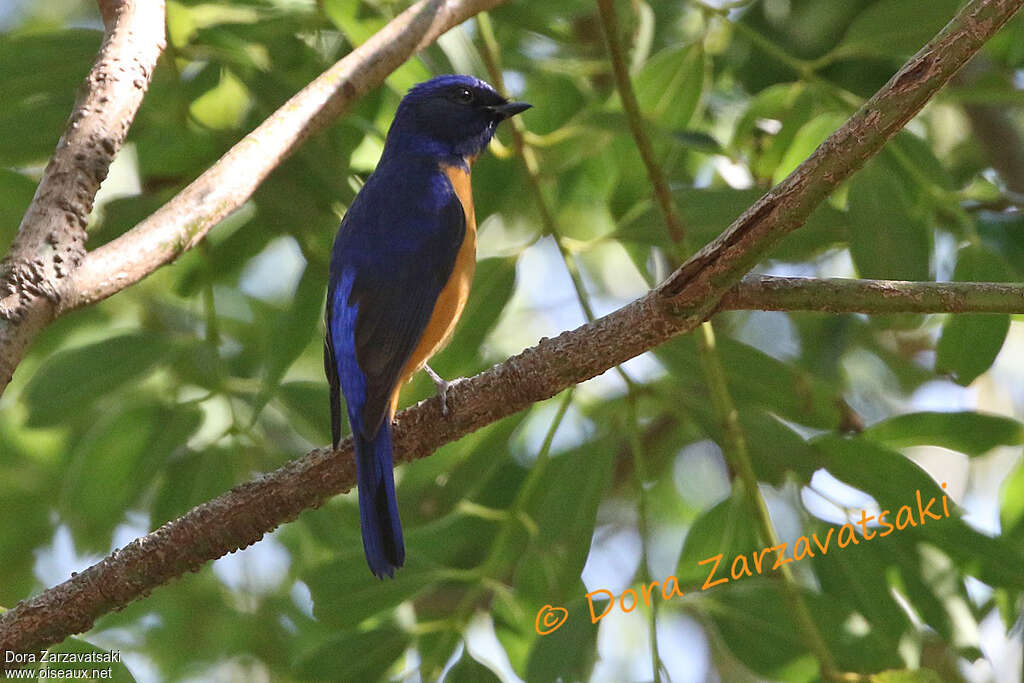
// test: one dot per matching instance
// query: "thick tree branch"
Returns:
(181, 223)
(693, 290)
(837, 295)
(241, 516)
(50, 242)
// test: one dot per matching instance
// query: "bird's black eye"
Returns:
(464, 95)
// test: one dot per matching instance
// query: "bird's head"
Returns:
(450, 116)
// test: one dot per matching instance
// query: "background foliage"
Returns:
(127, 414)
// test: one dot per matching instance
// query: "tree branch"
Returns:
(241, 516)
(50, 242)
(183, 221)
(837, 295)
(694, 289)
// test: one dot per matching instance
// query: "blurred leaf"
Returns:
(806, 140)
(725, 529)
(1011, 513)
(469, 670)
(16, 193)
(79, 649)
(968, 432)
(568, 653)
(41, 74)
(191, 479)
(345, 591)
(756, 623)
(669, 86)
(117, 460)
(895, 28)
(75, 379)
(290, 331)
(895, 481)
(224, 106)
(970, 342)
(563, 508)
(888, 240)
(352, 656)
(307, 405)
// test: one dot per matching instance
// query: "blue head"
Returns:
(449, 117)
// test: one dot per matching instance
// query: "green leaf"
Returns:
(970, 342)
(807, 139)
(968, 432)
(469, 670)
(41, 74)
(888, 238)
(563, 509)
(757, 625)
(1011, 509)
(345, 591)
(290, 331)
(725, 529)
(73, 380)
(348, 656)
(895, 481)
(194, 478)
(568, 653)
(307, 405)
(669, 86)
(83, 651)
(895, 27)
(115, 462)
(16, 193)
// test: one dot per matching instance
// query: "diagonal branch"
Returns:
(50, 242)
(181, 223)
(694, 290)
(241, 516)
(184, 221)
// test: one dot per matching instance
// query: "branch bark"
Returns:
(838, 295)
(80, 279)
(50, 242)
(181, 223)
(241, 516)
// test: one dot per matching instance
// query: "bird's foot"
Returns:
(442, 387)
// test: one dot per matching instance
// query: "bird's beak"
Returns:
(508, 109)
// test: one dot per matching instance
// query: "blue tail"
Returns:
(378, 506)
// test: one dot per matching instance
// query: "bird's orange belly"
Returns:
(452, 300)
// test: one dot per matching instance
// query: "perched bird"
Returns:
(400, 273)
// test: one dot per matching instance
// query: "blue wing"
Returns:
(394, 253)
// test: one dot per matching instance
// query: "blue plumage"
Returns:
(393, 257)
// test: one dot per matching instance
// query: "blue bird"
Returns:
(400, 273)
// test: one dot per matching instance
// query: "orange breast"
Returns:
(452, 299)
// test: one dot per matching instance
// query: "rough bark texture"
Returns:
(50, 242)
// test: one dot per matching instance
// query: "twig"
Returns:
(734, 446)
(50, 242)
(610, 25)
(838, 295)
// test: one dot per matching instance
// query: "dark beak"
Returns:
(508, 109)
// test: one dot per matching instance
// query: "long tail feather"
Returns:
(378, 506)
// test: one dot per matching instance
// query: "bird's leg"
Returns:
(442, 387)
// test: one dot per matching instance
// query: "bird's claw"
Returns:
(442, 387)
